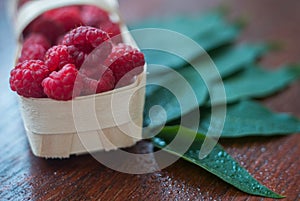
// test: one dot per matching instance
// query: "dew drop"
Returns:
(159, 142)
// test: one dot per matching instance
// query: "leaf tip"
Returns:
(272, 194)
(278, 196)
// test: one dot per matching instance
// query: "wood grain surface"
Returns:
(274, 161)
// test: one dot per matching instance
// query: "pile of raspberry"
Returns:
(74, 51)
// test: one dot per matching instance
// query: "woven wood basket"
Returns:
(100, 122)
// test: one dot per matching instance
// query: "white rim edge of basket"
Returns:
(121, 89)
(25, 14)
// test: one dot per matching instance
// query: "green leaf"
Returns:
(226, 64)
(218, 162)
(191, 26)
(248, 118)
(185, 94)
(228, 60)
(210, 32)
(256, 82)
(153, 38)
(232, 59)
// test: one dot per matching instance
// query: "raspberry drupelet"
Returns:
(64, 84)
(26, 78)
(125, 62)
(58, 56)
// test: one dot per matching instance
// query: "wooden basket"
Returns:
(105, 121)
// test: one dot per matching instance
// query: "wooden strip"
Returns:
(50, 146)
(47, 116)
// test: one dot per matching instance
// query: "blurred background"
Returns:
(271, 20)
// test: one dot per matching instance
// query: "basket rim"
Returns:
(126, 88)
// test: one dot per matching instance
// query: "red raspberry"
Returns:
(60, 40)
(85, 38)
(32, 52)
(57, 56)
(47, 27)
(63, 85)
(68, 17)
(94, 72)
(93, 66)
(89, 86)
(106, 82)
(26, 78)
(113, 30)
(36, 38)
(125, 62)
(92, 15)
(77, 55)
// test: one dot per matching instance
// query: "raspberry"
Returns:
(68, 17)
(106, 82)
(47, 27)
(59, 40)
(93, 16)
(97, 77)
(113, 30)
(85, 38)
(57, 56)
(93, 65)
(89, 86)
(36, 38)
(94, 72)
(63, 85)
(77, 55)
(26, 78)
(32, 52)
(125, 62)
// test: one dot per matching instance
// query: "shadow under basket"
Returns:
(100, 122)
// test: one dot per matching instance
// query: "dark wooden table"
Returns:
(274, 160)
